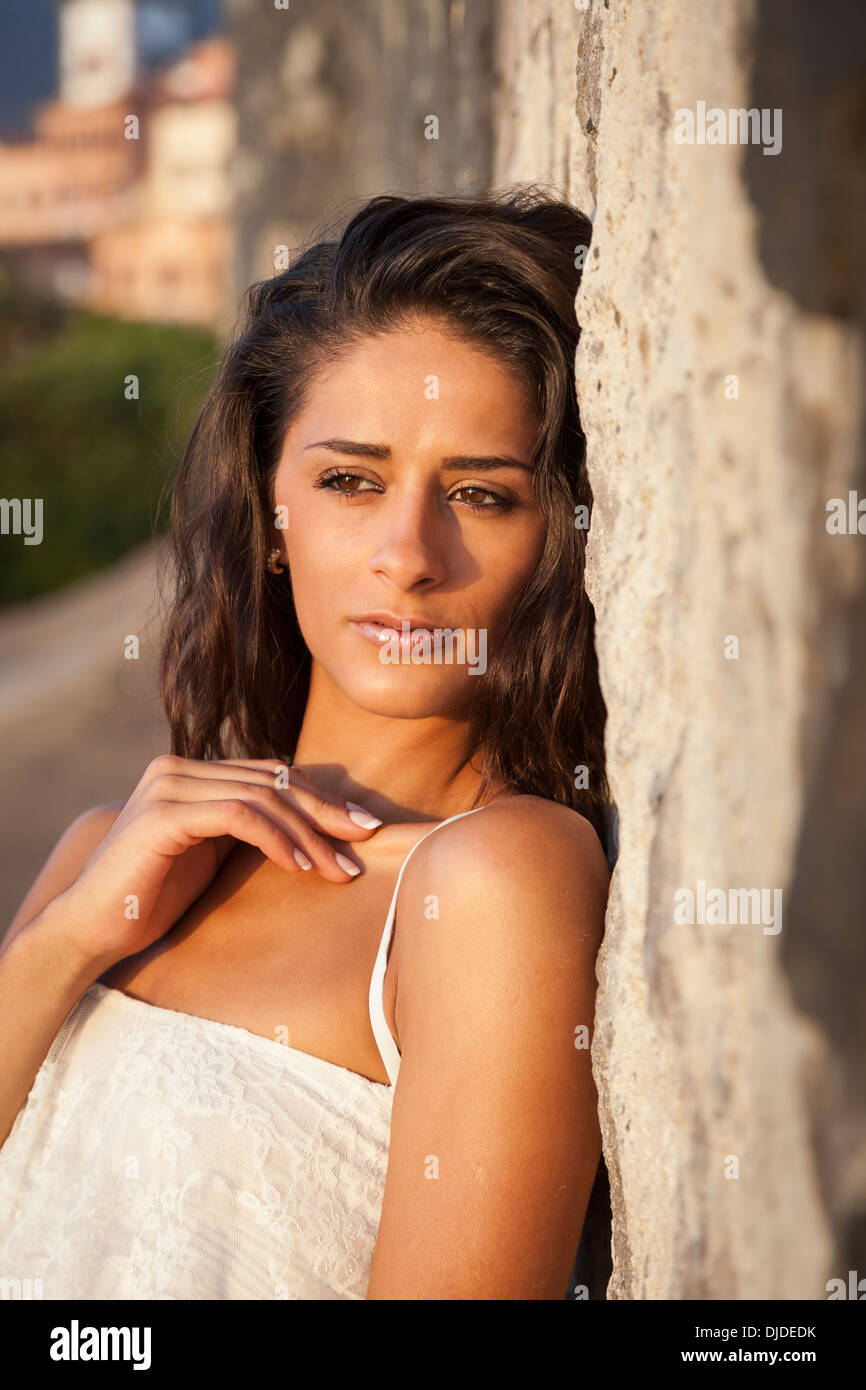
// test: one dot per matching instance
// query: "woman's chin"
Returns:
(406, 699)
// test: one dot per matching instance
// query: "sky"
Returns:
(28, 56)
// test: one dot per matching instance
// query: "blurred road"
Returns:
(78, 720)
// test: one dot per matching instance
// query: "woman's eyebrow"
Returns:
(349, 446)
(484, 462)
(454, 462)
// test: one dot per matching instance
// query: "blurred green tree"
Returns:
(69, 433)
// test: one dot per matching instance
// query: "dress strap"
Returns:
(384, 1038)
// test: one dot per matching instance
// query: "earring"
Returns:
(272, 565)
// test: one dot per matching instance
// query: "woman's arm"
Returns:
(164, 846)
(64, 863)
(42, 971)
(494, 1133)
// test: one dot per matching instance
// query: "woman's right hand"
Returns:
(177, 829)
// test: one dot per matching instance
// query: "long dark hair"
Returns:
(501, 272)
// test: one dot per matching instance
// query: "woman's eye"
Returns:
(350, 485)
(333, 482)
(496, 501)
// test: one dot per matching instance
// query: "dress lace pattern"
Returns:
(163, 1156)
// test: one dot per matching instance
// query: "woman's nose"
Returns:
(411, 547)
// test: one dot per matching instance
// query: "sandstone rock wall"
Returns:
(719, 418)
(334, 101)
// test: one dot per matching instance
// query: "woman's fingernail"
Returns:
(347, 864)
(302, 859)
(361, 817)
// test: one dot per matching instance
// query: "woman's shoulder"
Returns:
(511, 829)
(519, 887)
(518, 852)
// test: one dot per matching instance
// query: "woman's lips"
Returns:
(379, 634)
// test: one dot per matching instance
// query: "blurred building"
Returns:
(121, 200)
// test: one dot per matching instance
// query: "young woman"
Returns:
(203, 1016)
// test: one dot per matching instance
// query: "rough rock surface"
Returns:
(708, 507)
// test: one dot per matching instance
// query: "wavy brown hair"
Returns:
(502, 273)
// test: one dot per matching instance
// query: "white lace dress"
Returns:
(163, 1156)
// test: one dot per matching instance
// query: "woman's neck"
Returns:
(418, 781)
(399, 769)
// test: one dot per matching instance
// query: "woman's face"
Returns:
(406, 487)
